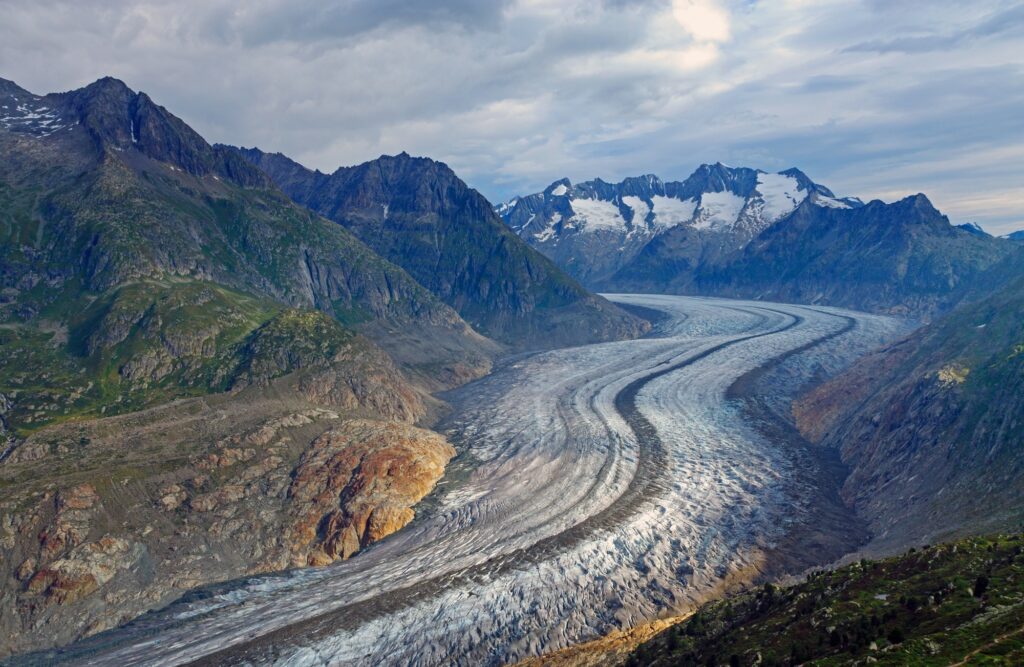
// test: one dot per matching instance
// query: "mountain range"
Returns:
(743, 232)
(416, 213)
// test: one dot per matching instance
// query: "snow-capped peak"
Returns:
(715, 198)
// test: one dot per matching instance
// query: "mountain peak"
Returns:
(109, 83)
(921, 202)
(559, 187)
(119, 120)
(8, 87)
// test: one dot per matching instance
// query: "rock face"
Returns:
(746, 233)
(931, 426)
(418, 214)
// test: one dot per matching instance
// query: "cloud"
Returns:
(1000, 23)
(515, 94)
(704, 20)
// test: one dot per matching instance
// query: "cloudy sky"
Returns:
(875, 98)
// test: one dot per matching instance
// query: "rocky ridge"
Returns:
(596, 229)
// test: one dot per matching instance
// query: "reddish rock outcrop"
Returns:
(70, 526)
(357, 484)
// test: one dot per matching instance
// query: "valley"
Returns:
(595, 487)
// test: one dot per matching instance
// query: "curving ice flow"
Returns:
(596, 488)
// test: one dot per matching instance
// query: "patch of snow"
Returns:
(549, 231)
(640, 209)
(828, 202)
(781, 194)
(597, 214)
(559, 190)
(718, 209)
(669, 211)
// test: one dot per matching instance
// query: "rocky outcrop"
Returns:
(356, 485)
(84, 570)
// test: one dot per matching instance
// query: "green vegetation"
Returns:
(149, 342)
(292, 340)
(934, 606)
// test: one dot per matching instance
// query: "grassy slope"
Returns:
(149, 342)
(921, 608)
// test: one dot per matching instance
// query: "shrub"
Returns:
(980, 586)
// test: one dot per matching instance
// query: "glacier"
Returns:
(596, 487)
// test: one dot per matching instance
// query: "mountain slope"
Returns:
(931, 426)
(902, 258)
(418, 214)
(937, 606)
(115, 190)
(188, 391)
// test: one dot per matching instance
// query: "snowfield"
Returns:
(597, 487)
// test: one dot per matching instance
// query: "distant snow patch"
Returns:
(669, 211)
(718, 209)
(559, 190)
(596, 214)
(828, 202)
(781, 194)
(640, 209)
